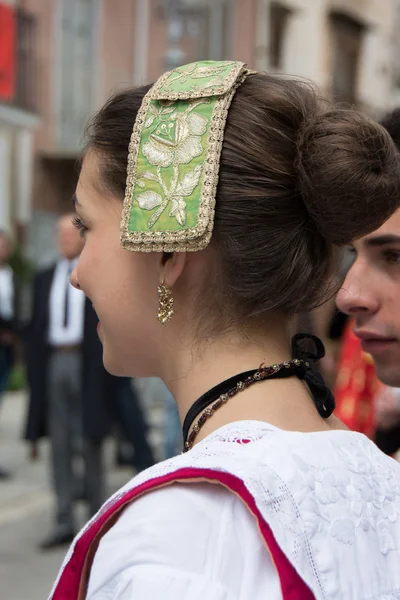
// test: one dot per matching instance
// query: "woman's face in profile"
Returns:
(122, 285)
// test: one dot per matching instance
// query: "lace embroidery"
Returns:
(373, 502)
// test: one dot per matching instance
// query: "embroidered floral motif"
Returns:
(175, 140)
(164, 108)
(344, 531)
(371, 494)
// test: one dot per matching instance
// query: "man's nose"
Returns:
(357, 295)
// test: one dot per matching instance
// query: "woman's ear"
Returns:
(172, 267)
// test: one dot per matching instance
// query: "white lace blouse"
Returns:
(332, 501)
(184, 542)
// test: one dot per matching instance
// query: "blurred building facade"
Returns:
(18, 114)
(345, 46)
(86, 49)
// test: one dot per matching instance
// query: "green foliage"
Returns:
(17, 380)
(21, 266)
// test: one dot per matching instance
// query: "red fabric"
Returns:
(293, 587)
(7, 52)
(356, 385)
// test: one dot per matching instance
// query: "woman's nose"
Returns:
(74, 279)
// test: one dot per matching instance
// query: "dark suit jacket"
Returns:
(388, 440)
(11, 325)
(94, 377)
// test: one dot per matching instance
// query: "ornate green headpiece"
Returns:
(174, 158)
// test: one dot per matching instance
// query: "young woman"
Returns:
(239, 185)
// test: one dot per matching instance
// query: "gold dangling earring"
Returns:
(166, 304)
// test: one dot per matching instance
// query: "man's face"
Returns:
(371, 295)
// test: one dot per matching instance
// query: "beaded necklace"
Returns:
(300, 367)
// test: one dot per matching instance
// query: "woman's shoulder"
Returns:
(182, 533)
(168, 516)
(202, 500)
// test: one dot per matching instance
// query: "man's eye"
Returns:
(79, 226)
(392, 257)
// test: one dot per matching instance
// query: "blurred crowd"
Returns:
(72, 400)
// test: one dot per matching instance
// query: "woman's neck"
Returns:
(190, 373)
(285, 403)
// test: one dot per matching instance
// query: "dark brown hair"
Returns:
(297, 177)
(391, 122)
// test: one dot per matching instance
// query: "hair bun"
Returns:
(343, 156)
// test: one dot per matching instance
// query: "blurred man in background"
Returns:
(125, 407)
(67, 384)
(7, 318)
(370, 295)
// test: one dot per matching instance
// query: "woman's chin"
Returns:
(112, 364)
(117, 361)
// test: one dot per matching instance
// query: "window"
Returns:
(77, 67)
(208, 29)
(26, 60)
(346, 37)
(278, 21)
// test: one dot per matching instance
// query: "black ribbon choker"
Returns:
(307, 350)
